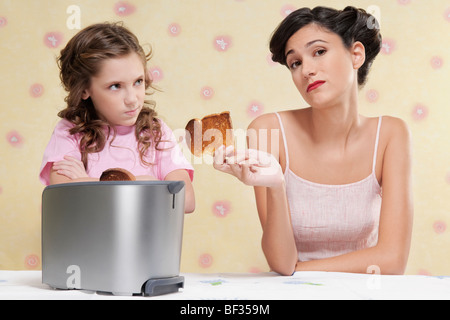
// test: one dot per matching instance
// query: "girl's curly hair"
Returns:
(78, 62)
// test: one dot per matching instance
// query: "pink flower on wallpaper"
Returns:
(123, 8)
(439, 227)
(387, 46)
(32, 261)
(255, 270)
(174, 29)
(221, 208)
(14, 139)
(36, 90)
(372, 95)
(287, 9)
(419, 112)
(1, 190)
(447, 177)
(270, 61)
(404, 2)
(447, 14)
(436, 62)
(207, 93)
(3, 22)
(156, 74)
(205, 260)
(222, 43)
(53, 39)
(255, 109)
(423, 272)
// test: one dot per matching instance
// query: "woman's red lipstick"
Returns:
(315, 85)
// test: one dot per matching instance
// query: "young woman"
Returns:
(334, 191)
(107, 122)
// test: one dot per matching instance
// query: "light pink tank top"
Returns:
(330, 220)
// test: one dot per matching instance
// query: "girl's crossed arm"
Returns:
(72, 170)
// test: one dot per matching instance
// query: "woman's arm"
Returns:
(182, 175)
(277, 242)
(390, 255)
(263, 171)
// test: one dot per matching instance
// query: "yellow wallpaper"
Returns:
(211, 56)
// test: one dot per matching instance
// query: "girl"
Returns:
(107, 122)
(334, 191)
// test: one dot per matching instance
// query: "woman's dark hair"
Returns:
(351, 24)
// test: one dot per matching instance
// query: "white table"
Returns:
(260, 286)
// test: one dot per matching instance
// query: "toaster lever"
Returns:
(175, 186)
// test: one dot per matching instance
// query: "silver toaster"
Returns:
(119, 237)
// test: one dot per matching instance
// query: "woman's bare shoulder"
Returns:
(264, 121)
(397, 141)
(394, 127)
(270, 120)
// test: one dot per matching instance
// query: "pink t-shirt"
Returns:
(121, 153)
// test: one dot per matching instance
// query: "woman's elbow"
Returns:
(395, 267)
(394, 263)
(284, 270)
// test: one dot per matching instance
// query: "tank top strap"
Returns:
(284, 141)
(374, 162)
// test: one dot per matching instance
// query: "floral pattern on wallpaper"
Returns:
(222, 212)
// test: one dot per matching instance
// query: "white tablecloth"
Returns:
(260, 286)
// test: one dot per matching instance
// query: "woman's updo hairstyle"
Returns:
(351, 24)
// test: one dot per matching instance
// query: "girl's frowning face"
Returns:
(118, 90)
(322, 68)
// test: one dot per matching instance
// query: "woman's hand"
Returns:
(71, 168)
(252, 167)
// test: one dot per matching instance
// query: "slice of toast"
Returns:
(117, 174)
(209, 133)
